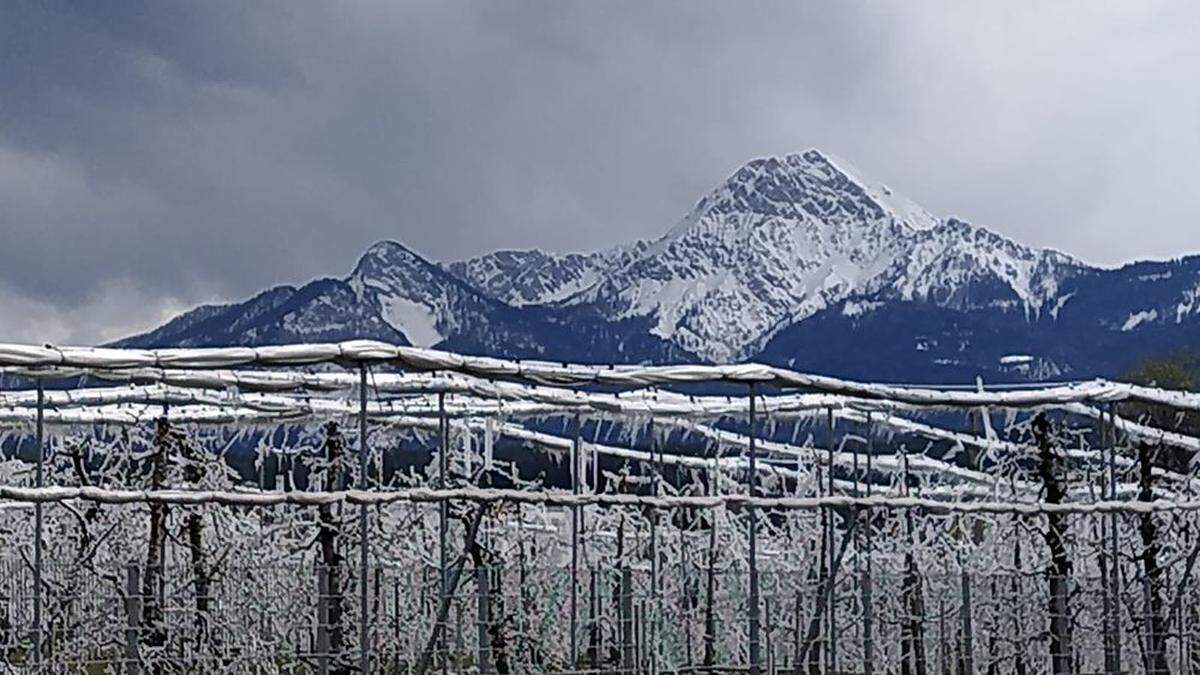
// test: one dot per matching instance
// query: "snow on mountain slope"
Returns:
(392, 294)
(789, 252)
(1102, 323)
(786, 237)
(959, 265)
(417, 297)
(321, 311)
(229, 319)
(1188, 304)
(1139, 297)
(909, 211)
(534, 277)
(782, 238)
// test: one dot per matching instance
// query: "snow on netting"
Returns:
(363, 507)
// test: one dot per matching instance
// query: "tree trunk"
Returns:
(811, 651)
(201, 575)
(912, 636)
(328, 538)
(1154, 624)
(710, 585)
(152, 578)
(623, 601)
(1019, 667)
(1060, 562)
(492, 614)
(455, 575)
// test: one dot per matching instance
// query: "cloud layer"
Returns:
(156, 156)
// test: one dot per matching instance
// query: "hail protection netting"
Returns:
(372, 508)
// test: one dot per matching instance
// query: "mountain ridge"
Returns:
(783, 238)
(787, 251)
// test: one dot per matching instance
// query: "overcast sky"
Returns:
(153, 157)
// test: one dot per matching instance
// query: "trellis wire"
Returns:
(643, 642)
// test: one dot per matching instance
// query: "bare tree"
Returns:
(152, 578)
(193, 474)
(329, 538)
(1055, 536)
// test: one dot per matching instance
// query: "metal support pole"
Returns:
(943, 662)
(655, 609)
(968, 630)
(833, 634)
(323, 648)
(575, 547)
(396, 613)
(1112, 533)
(868, 607)
(133, 618)
(364, 551)
(685, 598)
(38, 536)
(489, 448)
(1181, 643)
(458, 624)
(1110, 616)
(966, 614)
(629, 656)
(750, 512)
(483, 610)
(443, 521)
(770, 648)
(659, 557)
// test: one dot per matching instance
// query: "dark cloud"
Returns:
(158, 154)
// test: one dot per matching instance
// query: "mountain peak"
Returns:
(810, 160)
(387, 259)
(812, 183)
(788, 236)
(389, 251)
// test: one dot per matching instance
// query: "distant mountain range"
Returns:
(795, 260)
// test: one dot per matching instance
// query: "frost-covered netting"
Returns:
(89, 359)
(368, 506)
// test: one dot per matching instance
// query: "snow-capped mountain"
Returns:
(413, 295)
(533, 277)
(784, 238)
(795, 259)
(394, 294)
(1100, 323)
(958, 265)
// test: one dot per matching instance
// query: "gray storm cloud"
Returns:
(157, 155)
